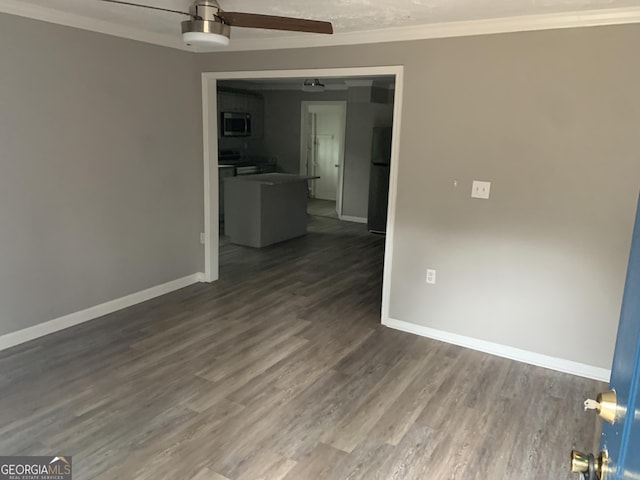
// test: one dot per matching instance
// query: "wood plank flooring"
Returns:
(281, 370)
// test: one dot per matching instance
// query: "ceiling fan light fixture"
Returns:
(205, 33)
(210, 26)
(312, 85)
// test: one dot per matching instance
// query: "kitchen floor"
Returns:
(281, 370)
(321, 208)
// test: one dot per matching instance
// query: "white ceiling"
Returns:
(352, 19)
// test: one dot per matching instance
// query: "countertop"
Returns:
(272, 178)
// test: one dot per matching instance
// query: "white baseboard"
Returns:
(21, 336)
(347, 218)
(525, 356)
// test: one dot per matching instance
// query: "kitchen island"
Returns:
(264, 209)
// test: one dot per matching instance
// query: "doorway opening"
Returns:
(322, 142)
(289, 159)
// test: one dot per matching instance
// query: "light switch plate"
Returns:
(480, 189)
(431, 276)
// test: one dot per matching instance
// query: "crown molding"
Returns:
(588, 18)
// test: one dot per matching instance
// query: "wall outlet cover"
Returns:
(480, 189)
(202, 238)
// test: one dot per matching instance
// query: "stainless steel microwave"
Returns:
(235, 124)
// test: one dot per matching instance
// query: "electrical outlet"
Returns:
(202, 238)
(431, 276)
(480, 189)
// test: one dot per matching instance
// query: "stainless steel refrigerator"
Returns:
(379, 179)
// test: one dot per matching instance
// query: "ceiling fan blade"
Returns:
(147, 6)
(270, 22)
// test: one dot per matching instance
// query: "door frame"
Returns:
(210, 154)
(304, 109)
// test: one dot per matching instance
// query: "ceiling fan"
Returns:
(209, 25)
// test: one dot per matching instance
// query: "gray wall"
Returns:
(551, 118)
(100, 169)
(282, 123)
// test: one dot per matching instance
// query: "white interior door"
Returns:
(326, 155)
(324, 146)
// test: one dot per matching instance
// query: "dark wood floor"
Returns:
(281, 370)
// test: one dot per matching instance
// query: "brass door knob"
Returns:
(580, 462)
(588, 465)
(606, 404)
